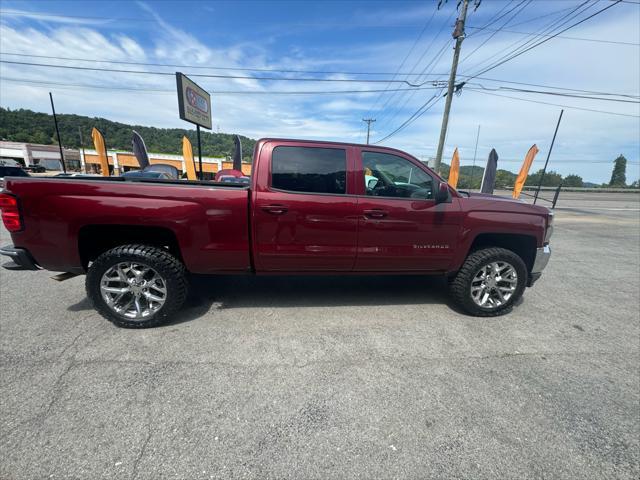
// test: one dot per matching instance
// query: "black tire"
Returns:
(460, 285)
(166, 265)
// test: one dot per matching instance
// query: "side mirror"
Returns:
(442, 194)
(371, 184)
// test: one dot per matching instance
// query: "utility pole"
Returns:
(458, 34)
(368, 120)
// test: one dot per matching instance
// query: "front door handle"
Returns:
(275, 209)
(375, 213)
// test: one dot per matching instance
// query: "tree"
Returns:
(572, 181)
(27, 126)
(505, 178)
(551, 179)
(618, 176)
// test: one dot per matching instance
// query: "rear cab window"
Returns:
(309, 170)
(12, 172)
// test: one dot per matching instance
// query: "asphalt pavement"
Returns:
(337, 377)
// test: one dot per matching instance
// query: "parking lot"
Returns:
(337, 377)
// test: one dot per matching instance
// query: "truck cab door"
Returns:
(304, 217)
(401, 229)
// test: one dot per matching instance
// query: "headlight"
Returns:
(549, 230)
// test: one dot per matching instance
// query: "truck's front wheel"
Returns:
(490, 281)
(136, 286)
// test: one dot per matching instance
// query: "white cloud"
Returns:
(52, 18)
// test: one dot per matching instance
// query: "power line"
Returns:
(533, 19)
(294, 92)
(421, 111)
(402, 64)
(202, 75)
(587, 97)
(584, 39)
(602, 10)
(426, 71)
(409, 96)
(554, 104)
(217, 92)
(310, 71)
(552, 87)
(203, 67)
(429, 67)
(497, 16)
(496, 31)
(548, 28)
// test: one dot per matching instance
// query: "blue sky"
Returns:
(343, 37)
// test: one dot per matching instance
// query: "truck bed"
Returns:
(208, 221)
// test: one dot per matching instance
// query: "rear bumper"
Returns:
(21, 258)
(543, 254)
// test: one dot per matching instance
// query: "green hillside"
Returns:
(33, 127)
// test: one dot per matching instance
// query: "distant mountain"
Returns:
(33, 127)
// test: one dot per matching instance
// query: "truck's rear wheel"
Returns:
(136, 286)
(490, 281)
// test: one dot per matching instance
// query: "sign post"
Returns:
(55, 120)
(194, 105)
(544, 170)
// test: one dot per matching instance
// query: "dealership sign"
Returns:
(194, 103)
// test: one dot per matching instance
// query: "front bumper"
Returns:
(543, 254)
(21, 258)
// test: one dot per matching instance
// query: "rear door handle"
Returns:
(375, 213)
(275, 209)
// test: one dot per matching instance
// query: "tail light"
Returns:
(10, 212)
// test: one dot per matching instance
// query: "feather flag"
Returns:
(489, 177)
(189, 162)
(101, 150)
(140, 150)
(524, 170)
(454, 171)
(237, 153)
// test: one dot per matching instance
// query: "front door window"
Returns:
(387, 175)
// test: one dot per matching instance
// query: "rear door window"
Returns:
(309, 169)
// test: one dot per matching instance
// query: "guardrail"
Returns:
(537, 196)
(581, 189)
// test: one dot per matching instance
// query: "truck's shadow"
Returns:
(224, 292)
(239, 291)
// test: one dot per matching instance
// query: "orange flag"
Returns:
(101, 150)
(187, 154)
(524, 170)
(454, 171)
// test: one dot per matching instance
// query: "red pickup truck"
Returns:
(310, 208)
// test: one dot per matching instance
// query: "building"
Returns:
(48, 156)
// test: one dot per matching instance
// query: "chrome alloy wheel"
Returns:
(133, 290)
(494, 285)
